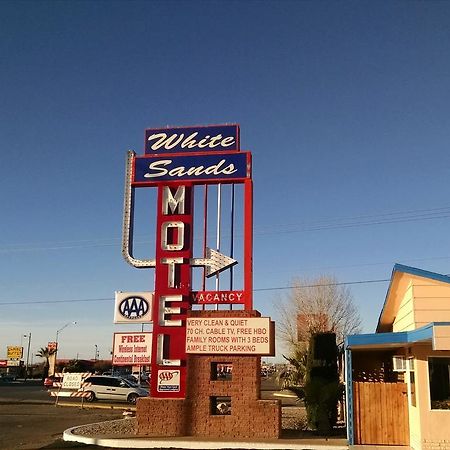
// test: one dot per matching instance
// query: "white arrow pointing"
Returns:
(214, 262)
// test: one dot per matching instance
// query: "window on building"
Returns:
(412, 383)
(220, 406)
(412, 380)
(439, 371)
(221, 371)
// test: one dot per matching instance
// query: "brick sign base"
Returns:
(250, 417)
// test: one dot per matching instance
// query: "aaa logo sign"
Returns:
(168, 381)
(133, 307)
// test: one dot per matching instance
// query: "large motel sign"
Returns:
(176, 161)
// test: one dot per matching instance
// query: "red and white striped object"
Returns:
(70, 394)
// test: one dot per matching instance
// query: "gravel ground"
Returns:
(293, 420)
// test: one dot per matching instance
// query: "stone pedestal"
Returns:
(196, 415)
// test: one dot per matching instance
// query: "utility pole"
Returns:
(28, 354)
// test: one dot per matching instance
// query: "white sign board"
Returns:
(13, 363)
(132, 349)
(237, 335)
(133, 307)
(72, 380)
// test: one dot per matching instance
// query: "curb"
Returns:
(73, 405)
(25, 402)
(160, 443)
(91, 406)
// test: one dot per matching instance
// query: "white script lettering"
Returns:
(157, 169)
(169, 142)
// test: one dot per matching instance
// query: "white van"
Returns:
(104, 387)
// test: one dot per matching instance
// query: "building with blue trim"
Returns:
(398, 378)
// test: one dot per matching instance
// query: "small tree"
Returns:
(322, 387)
(102, 366)
(315, 306)
(45, 352)
(293, 377)
(75, 365)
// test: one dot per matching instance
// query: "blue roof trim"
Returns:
(412, 271)
(401, 337)
(421, 273)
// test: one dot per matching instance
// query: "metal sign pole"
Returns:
(232, 238)
(219, 207)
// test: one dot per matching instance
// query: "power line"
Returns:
(40, 302)
(319, 225)
(345, 283)
(406, 213)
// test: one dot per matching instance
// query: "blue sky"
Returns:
(344, 105)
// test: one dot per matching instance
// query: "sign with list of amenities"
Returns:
(238, 335)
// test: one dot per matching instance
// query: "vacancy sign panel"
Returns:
(236, 335)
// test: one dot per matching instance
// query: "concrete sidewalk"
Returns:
(197, 443)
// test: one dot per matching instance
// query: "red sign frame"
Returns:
(173, 283)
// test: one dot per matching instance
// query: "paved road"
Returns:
(39, 426)
(29, 418)
(32, 390)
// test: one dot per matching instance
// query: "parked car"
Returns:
(103, 387)
(7, 377)
(142, 377)
(50, 381)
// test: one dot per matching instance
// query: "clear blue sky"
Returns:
(345, 106)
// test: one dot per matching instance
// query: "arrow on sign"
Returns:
(215, 262)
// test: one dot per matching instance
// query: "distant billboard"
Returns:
(52, 345)
(13, 363)
(14, 352)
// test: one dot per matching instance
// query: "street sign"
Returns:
(72, 380)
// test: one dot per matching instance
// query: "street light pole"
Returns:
(28, 354)
(57, 334)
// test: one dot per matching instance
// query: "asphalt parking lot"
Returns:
(29, 418)
(37, 426)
